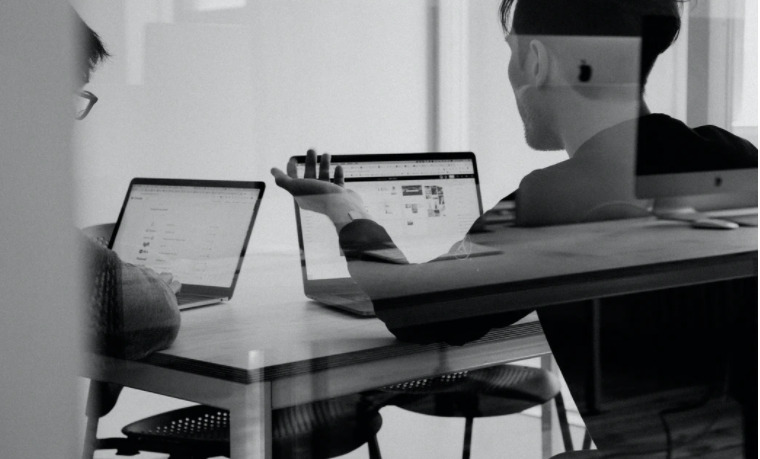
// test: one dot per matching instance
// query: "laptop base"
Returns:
(360, 307)
(186, 303)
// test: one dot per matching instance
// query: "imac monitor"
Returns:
(688, 176)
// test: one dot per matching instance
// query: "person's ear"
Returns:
(539, 63)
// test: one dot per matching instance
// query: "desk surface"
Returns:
(559, 264)
(295, 336)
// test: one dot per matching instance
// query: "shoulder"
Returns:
(667, 145)
(502, 214)
(558, 178)
(577, 190)
(548, 196)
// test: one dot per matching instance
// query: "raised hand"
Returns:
(316, 193)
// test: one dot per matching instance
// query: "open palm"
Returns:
(315, 192)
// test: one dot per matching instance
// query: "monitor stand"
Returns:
(673, 209)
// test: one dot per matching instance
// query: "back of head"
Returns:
(598, 18)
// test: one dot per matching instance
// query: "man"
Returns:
(132, 311)
(597, 127)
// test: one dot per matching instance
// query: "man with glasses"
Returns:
(131, 311)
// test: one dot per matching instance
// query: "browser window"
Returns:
(195, 233)
(425, 205)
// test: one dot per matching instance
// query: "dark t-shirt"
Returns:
(667, 146)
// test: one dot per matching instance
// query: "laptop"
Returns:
(426, 201)
(197, 230)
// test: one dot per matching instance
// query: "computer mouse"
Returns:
(713, 223)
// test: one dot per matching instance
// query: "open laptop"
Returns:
(426, 201)
(197, 230)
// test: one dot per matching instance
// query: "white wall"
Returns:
(38, 263)
(731, 101)
(229, 94)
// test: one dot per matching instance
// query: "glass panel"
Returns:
(745, 86)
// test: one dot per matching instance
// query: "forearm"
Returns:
(151, 314)
(397, 289)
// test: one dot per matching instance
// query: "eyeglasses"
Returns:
(83, 102)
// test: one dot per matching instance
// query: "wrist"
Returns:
(348, 217)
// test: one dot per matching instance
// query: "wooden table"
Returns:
(270, 348)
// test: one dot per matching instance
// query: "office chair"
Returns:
(319, 430)
(493, 391)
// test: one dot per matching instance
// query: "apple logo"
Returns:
(586, 71)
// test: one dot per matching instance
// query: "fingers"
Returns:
(289, 180)
(339, 180)
(166, 277)
(311, 164)
(324, 167)
(292, 168)
(301, 187)
(282, 180)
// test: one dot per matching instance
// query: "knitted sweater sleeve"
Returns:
(104, 309)
(131, 312)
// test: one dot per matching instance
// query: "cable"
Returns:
(698, 404)
(668, 435)
(722, 386)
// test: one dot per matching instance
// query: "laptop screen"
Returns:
(196, 233)
(425, 204)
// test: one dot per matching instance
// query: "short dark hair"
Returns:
(599, 18)
(92, 50)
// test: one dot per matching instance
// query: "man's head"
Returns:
(525, 21)
(92, 51)
(622, 18)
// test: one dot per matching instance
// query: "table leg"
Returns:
(547, 449)
(251, 423)
(595, 380)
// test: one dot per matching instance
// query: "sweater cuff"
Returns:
(366, 240)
